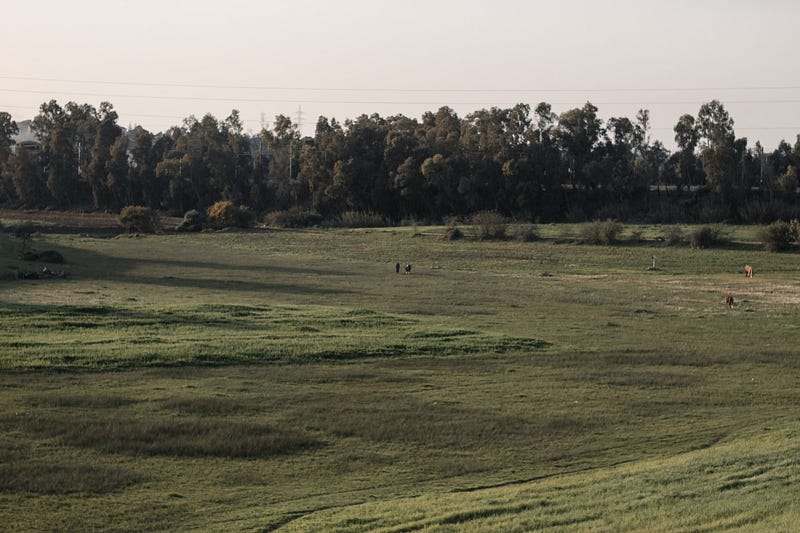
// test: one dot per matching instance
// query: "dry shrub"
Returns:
(452, 234)
(601, 232)
(227, 215)
(707, 237)
(192, 221)
(139, 219)
(293, 218)
(526, 233)
(490, 225)
(674, 236)
(779, 236)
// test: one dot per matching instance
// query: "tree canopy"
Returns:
(518, 162)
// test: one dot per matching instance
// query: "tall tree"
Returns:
(687, 138)
(106, 134)
(8, 129)
(26, 174)
(715, 131)
(59, 153)
(117, 170)
(579, 132)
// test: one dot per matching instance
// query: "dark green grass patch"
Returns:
(46, 478)
(86, 337)
(177, 437)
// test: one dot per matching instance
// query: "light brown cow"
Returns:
(748, 271)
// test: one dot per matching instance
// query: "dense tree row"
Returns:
(520, 163)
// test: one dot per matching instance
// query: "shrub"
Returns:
(707, 236)
(225, 214)
(490, 225)
(192, 221)
(779, 235)
(137, 218)
(359, 219)
(293, 218)
(453, 234)
(526, 233)
(674, 236)
(601, 232)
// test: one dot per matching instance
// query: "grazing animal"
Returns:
(729, 300)
(397, 267)
(748, 271)
(408, 269)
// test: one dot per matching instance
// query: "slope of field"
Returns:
(292, 380)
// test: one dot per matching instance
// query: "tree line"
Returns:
(523, 163)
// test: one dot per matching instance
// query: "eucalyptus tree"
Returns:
(361, 176)
(27, 177)
(316, 162)
(59, 152)
(403, 155)
(687, 138)
(8, 129)
(106, 133)
(718, 152)
(117, 180)
(238, 149)
(579, 133)
(282, 147)
(444, 161)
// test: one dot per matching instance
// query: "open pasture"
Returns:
(292, 380)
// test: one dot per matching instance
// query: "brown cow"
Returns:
(729, 300)
(748, 271)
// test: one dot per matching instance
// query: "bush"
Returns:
(779, 236)
(137, 218)
(601, 232)
(293, 218)
(707, 237)
(489, 225)
(225, 214)
(192, 221)
(359, 219)
(674, 236)
(453, 234)
(526, 233)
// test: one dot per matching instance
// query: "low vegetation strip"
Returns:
(106, 337)
(747, 481)
(188, 437)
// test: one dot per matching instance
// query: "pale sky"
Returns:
(158, 62)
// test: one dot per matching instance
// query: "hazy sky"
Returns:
(158, 62)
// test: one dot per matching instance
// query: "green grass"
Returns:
(291, 380)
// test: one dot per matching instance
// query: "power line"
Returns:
(379, 102)
(408, 90)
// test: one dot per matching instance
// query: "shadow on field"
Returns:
(234, 284)
(247, 268)
(82, 264)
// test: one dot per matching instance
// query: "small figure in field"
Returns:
(729, 300)
(408, 268)
(748, 271)
(397, 267)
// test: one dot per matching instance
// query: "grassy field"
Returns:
(291, 380)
